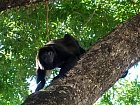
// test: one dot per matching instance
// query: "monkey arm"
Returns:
(68, 64)
(40, 79)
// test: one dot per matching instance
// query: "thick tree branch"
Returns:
(7, 4)
(97, 70)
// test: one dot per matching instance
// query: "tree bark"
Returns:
(7, 4)
(97, 70)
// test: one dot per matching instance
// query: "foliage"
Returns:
(23, 31)
(122, 93)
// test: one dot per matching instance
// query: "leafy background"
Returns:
(23, 31)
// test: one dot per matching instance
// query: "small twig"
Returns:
(47, 11)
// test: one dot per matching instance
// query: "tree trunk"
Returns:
(97, 70)
(7, 4)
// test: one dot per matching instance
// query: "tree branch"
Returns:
(7, 4)
(97, 70)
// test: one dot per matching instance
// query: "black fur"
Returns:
(62, 53)
(124, 74)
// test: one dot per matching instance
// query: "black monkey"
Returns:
(62, 53)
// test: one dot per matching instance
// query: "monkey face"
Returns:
(46, 58)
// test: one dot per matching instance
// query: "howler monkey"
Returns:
(62, 53)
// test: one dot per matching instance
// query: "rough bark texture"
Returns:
(7, 4)
(97, 70)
